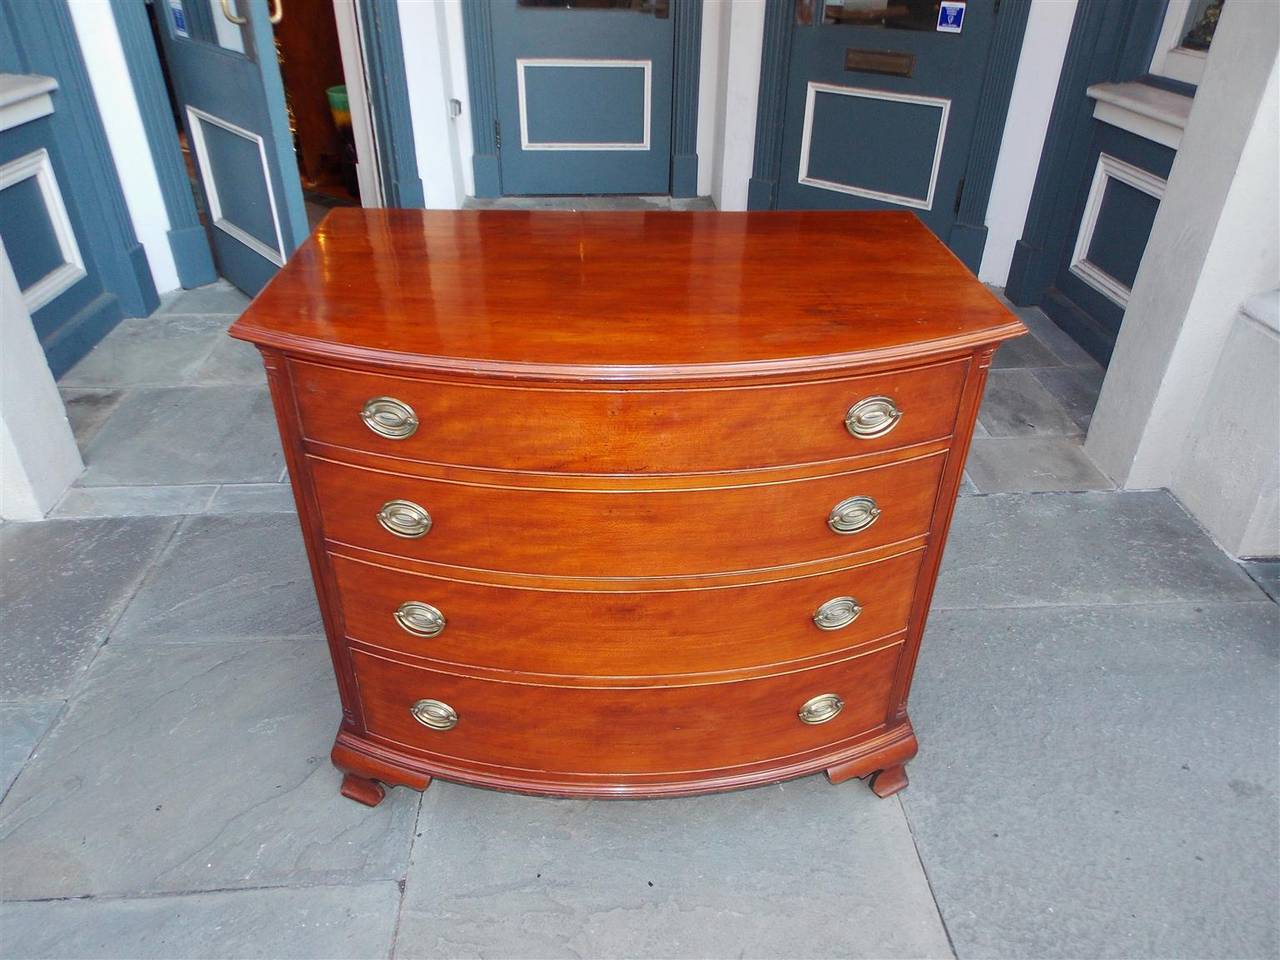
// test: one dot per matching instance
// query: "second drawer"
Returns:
(624, 633)
(626, 533)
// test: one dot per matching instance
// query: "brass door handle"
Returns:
(226, 12)
(837, 613)
(435, 714)
(872, 417)
(404, 518)
(420, 619)
(821, 708)
(276, 15)
(389, 417)
(853, 515)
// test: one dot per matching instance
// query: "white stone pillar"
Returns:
(38, 454)
(1215, 243)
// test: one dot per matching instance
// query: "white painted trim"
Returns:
(24, 97)
(523, 63)
(1171, 59)
(1143, 110)
(38, 455)
(36, 165)
(346, 16)
(941, 103)
(117, 101)
(1035, 85)
(1108, 169)
(194, 114)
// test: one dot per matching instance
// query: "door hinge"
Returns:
(497, 134)
(959, 194)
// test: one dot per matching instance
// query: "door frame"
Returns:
(382, 56)
(477, 34)
(968, 235)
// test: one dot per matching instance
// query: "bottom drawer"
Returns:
(602, 731)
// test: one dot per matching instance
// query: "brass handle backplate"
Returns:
(405, 519)
(389, 417)
(853, 515)
(872, 417)
(837, 613)
(420, 619)
(821, 708)
(435, 714)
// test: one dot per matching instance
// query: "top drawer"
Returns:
(603, 431)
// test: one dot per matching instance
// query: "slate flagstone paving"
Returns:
(1096, 701)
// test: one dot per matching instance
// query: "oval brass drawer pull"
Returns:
(405, 519)
(435, 714)
(821, 708)
(389, 417)
(837, 613)
(420, 619)
(872, 417)
(853, 515)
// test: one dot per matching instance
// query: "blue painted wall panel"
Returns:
(1122, 230)
(585, 104)
(883, 145)
(236, 168)
(28, 233)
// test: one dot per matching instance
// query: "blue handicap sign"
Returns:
(950, 16)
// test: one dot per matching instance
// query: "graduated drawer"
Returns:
(605, 431)
(624, 633)
(621, 730)
(623, 533)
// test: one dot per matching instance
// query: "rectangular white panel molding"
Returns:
(198, 118)
(1108, 169)
(943, 106)
(36, 166)
(523, 64)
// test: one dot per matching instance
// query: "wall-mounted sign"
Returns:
(179, 19)
(951, 16)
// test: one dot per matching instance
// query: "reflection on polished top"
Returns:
(624, 294)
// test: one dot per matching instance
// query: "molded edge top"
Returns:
(623, 295)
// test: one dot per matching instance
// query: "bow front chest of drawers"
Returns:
(624, 504)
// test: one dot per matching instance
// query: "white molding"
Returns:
(942, 104)
(1171, 59)
(1146, 111)
(523, 63)
(346, 16)
(1108, 169)
(198, 117)
(24, 97)
(36, 165)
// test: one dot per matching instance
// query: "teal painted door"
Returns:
(232, 99)
(857, 139)
(584, 95)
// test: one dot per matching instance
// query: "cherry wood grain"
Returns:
(619, 534)
(561, 428)
(610, 732)
(619, 295)
(631, 437)
(625, 633)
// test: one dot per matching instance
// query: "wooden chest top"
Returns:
(623, 295)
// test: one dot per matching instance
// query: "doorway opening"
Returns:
(326, 124)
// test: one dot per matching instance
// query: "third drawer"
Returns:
(623, 633)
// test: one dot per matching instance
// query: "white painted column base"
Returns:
(38, 454)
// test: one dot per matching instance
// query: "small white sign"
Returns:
(951, 16)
